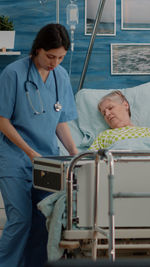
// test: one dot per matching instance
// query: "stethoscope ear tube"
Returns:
(57, 106)
(33, 108)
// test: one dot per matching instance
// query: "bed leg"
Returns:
(94, 249)
(111, 208)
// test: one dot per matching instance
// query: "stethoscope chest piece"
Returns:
(58, 106)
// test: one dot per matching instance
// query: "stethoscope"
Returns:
(57, 106)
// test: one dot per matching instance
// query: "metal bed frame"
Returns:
(111, 157)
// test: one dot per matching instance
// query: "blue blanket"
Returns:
(53, 208)
(138, 144)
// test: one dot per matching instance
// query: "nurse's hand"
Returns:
(9, 130)
(73, 152)
(33, 154)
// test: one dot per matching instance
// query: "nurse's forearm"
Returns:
(64, 135)
(8, 130)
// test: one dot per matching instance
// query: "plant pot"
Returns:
(7, 39)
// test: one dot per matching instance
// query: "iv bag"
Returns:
(72, 15)
(42, 2)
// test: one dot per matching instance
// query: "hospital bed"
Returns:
(90, 213)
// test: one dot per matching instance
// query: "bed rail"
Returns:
(111, 157)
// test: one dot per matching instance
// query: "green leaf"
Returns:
(6, 24)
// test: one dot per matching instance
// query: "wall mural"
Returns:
(107, 25)
(130, 59)
(135, 15)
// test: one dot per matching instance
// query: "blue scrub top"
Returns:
(37, 130)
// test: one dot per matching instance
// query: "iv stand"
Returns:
(97, 20)
(57, 11)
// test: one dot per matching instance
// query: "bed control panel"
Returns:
(50, 173)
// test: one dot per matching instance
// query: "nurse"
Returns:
(36, 101)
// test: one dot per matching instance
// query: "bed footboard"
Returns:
(101, 186)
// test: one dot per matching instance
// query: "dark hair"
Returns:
(116, 95)
(49, 37)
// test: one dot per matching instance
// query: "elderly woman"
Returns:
(116, 111)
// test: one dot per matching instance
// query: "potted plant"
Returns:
(7, 33)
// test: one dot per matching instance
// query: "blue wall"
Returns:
(29, 16)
